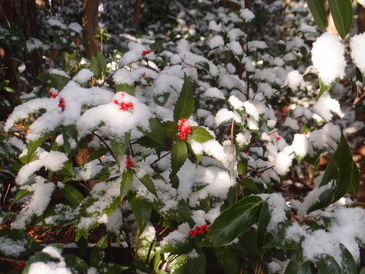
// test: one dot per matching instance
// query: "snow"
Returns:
(52, 160)
(11, 247)
(277, 208)
(328, 57)
(214, 93)
(247, 15)
(214, 26)
(216, 42)
(300, 145)
(283, 163)
(75, 27)
(357, 44)
(115, 122)
(294, 80)
(83, 76)
(37, 205)
(325, 106)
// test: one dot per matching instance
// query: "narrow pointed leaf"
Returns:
(72, 195)
(179, 154)
(318, 11)
(142, 211)
(342, 15)
(185, 103)
(127, 180)
(235, 220)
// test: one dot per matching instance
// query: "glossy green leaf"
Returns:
(69, 133)
(328, 265)
(264, 220)
(127, 180)
(76, 263)
(56, 81)
(343, 171)
(130, 89)
(157, 133)
(32, 147)
(193, 264)
(297, 265)
(98, 65)
(319, 13)
(21, 193)
(72, 195)
(200, 135)
(348, 262)
(280, 240)
(169, 129)
(228, 258)
(142, 211)
(232, 222)
(325, 88)
(148, 183)
(185, 103)
(97, 252)
(97, 154)
(119, 147)
(342, 15)
(179, 154)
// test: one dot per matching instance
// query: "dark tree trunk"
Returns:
(360, 18)
(90, 20)
(22, 14)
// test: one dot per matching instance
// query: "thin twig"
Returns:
(106, 144)
(154, 162)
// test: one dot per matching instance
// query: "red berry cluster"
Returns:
(124, 106)
(19, 266)
(182, 129)
(53, 94)
(144, 75)
(62, 104)
(199, 230)
(129, 162)
(145, 52)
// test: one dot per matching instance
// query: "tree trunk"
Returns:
(360, 18)
(20, 14)
(90, 20)
(137, 13)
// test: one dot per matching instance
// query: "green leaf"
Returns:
(185, 103)
(179, 154)
(324, 88)
(157, 46)
(32, 147)
(348, 262)
(142, 211)
(127, 180)
(200, 134)
(232, 222)
(56, 81)
(342, 15)
(97, 253)
(264, 220)
(280, 240)
(319, 13)
(343, 171)
(227, 258)
(76, 263)
(157, 132)
(97, 154)
(119, 147)
(297, 265)
(328, 265)
(69, 133)
(148, 183)
(130, 89)
(98, 65)
(169, 129)
(72, 195)
(193, 265)
(20, 194)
